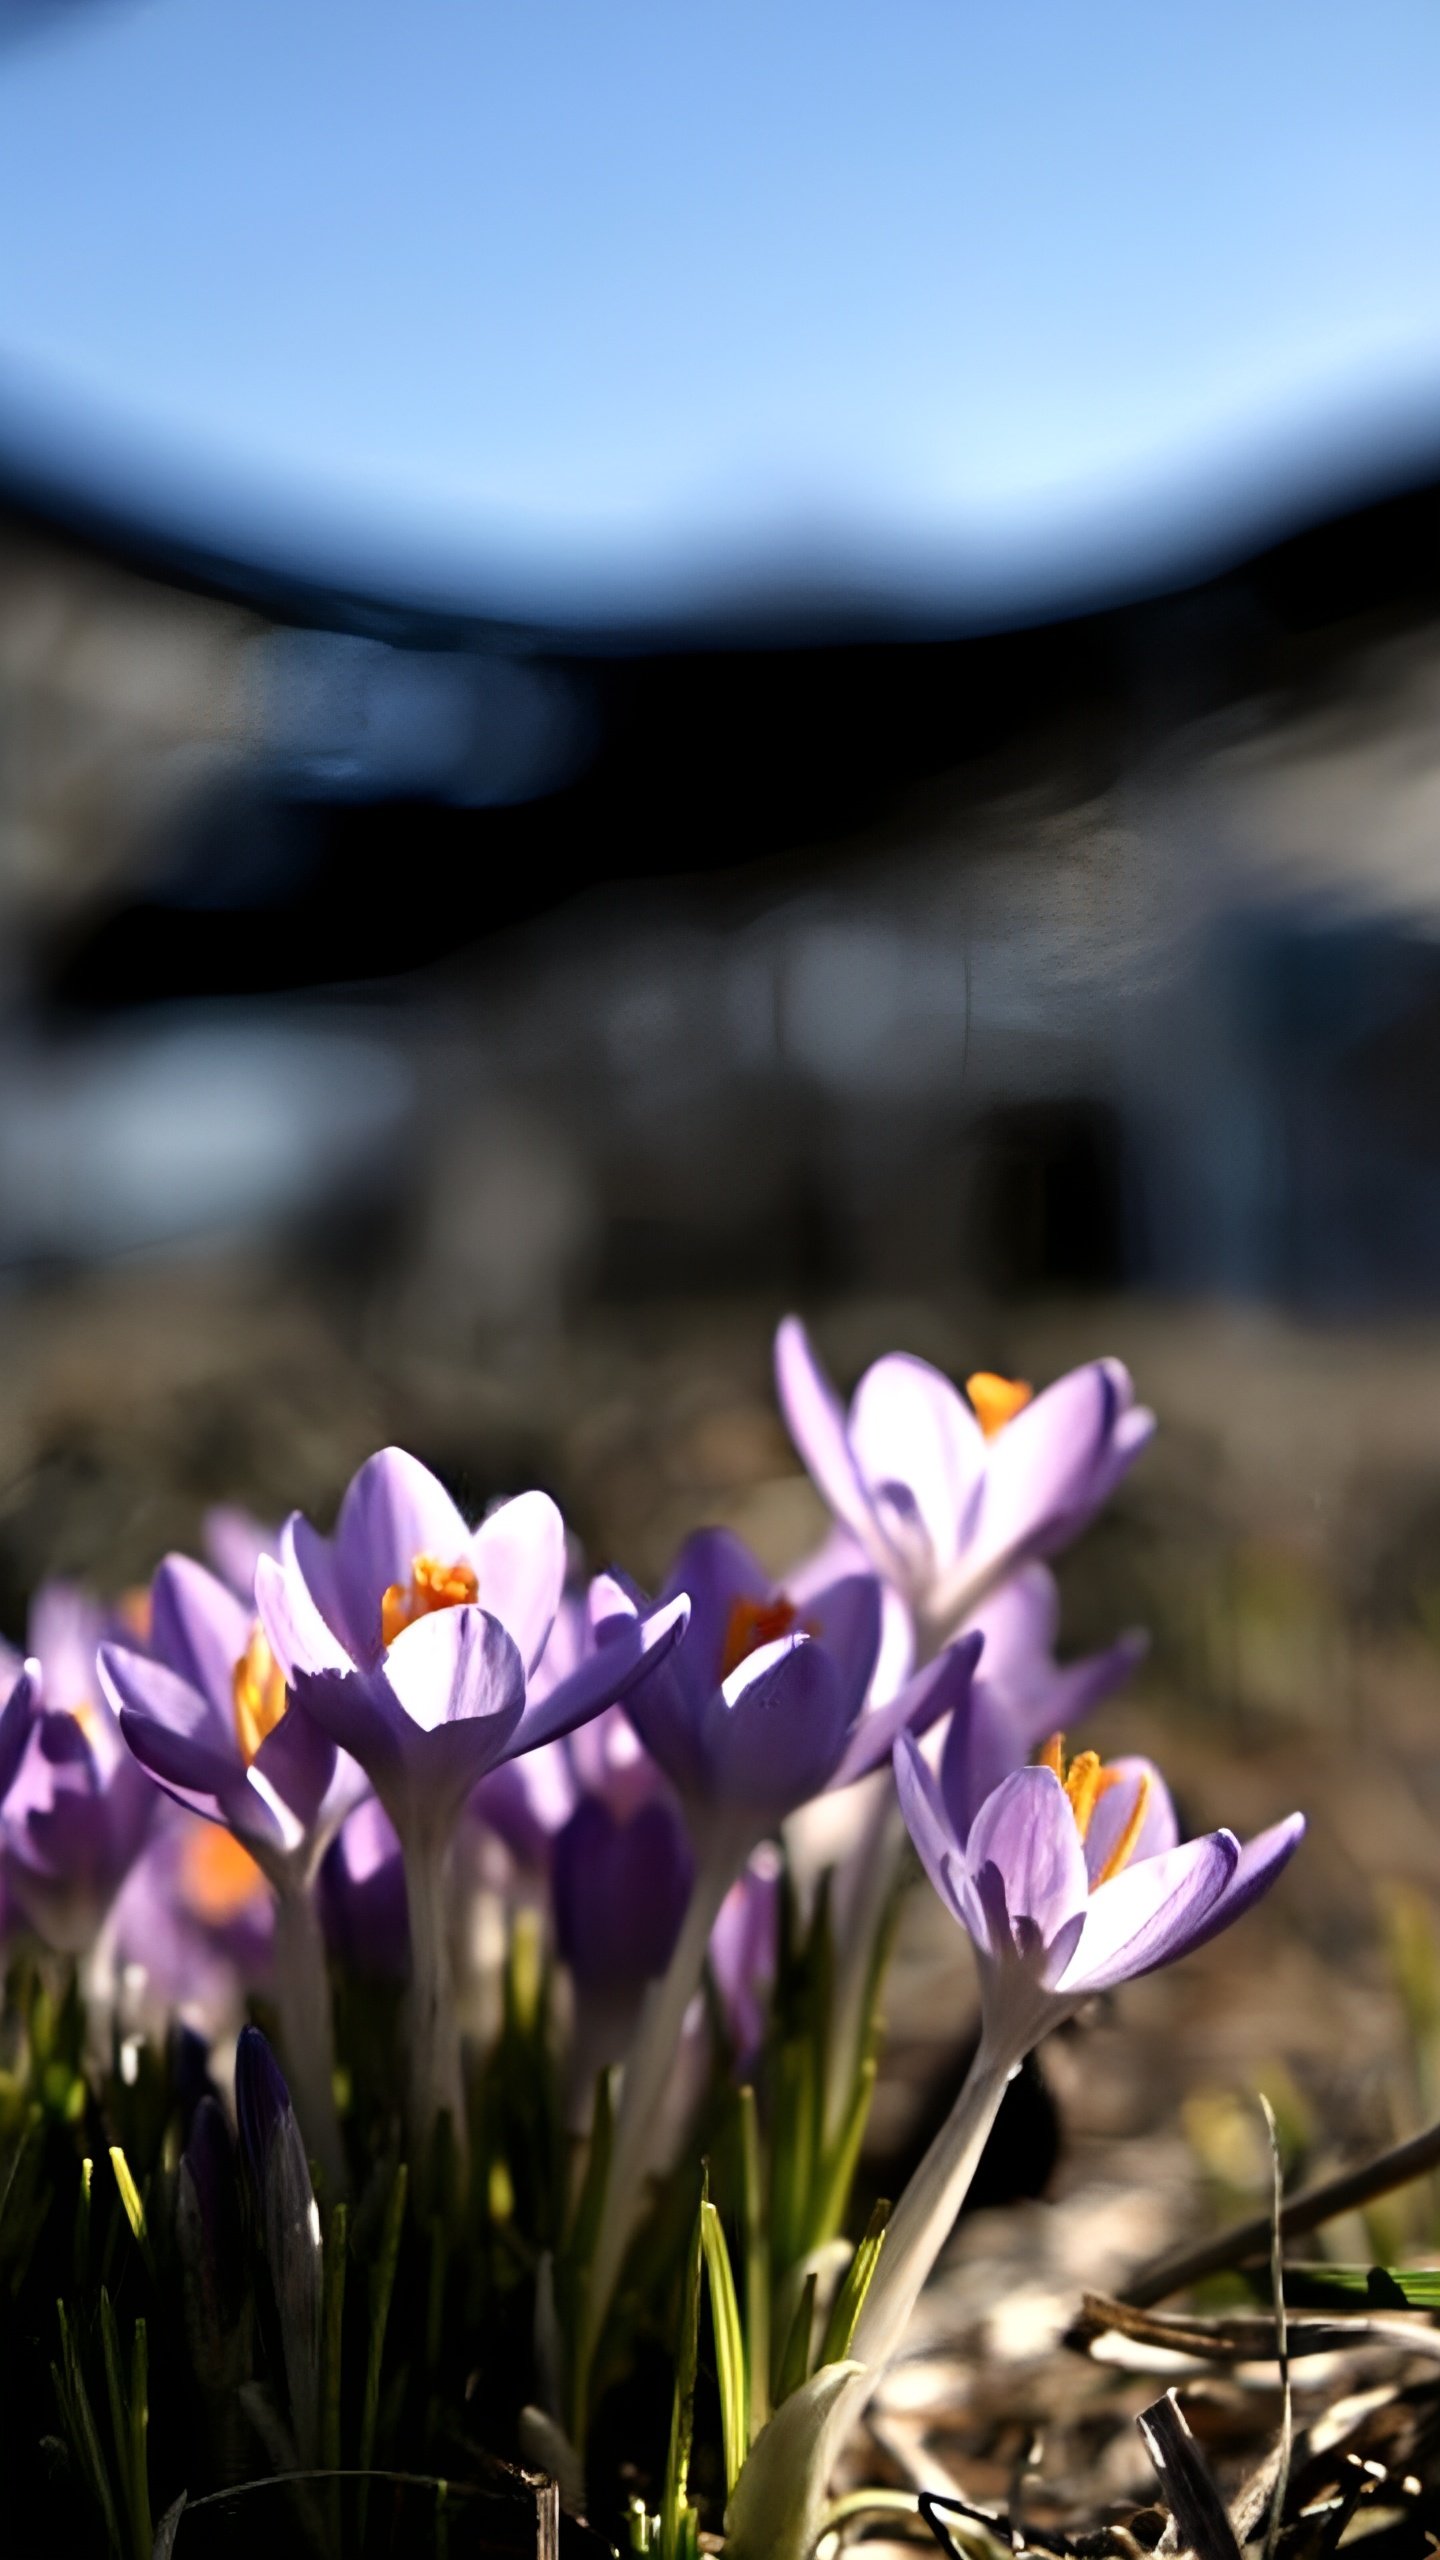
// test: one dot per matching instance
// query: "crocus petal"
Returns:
(816, 1423)
(1158, 1830)
(64, 1627)
(1026, 1831)
(309, 1565)
(1020, 1622)
(630, 1650)
(198, 1627)
(297, 1759)
(136, 1685)
(910, 1426)
(772, 1735)
(456, 1665)
(362, 1715)
(1259, 1863)
(299, 1637)
(1042, 1464)
(982, 1748)
(846, 1621)
(519, 1559)
(1071, 1691)
(17, 1717)
(942, 1688)
(235, 1541)
(717, 1571)
(394, 1510)
(447, 1764)
(1150, 1913)
(925, 1820)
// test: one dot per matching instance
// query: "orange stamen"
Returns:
(258, 1684)
(133, 1610)
(1082, 1786)
(752, 1623)
(994, 1401)
(1085, 1781)
(217, 1876)
(1124, 1849)
(432, 1585)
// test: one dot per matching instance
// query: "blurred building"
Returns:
(1048, 959)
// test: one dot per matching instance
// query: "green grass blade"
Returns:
(757, 2266)
(382, 2286)
(138, 2449)
(83, 2432)
(832, 2199)
(795, 2360)
(729, 2342)
(850, 2300)
(332, 2319)
(674, 2503)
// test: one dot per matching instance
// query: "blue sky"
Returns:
(577, 304)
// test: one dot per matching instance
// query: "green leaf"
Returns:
(757, 2266)
(130, 2195)
(838, 2176)
(729, 2342)
(1378, 2288)
(674, 2503)
(79, 2419)
(382, 2286)
(138, 2463)
(850, 2300)
(795, 2361)
(332, 2328)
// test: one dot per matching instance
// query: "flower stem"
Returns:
(307, 2033)
(922, 2221)
(436, 2086)
(639, 2121)
(777, 2508)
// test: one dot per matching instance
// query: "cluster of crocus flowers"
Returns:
(319, 1754)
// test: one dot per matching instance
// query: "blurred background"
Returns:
(658, 665)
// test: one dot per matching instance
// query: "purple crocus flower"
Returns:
(398, 1659)
(1071, 1881)
(205, 1708)
(234, 1541)
(620, 1886)
(195, 1918)
(1067, 1885)
(947, 1496)
(759, 1706)
(528, 1801)
(1021, 1695)
(402, 1552)
(76, 1810)
(744, 1954)
(207, 1711)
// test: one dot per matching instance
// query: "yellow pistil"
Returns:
(217, 1876)
(1085, 1780)
(755, 1622)
(994, 1401)
(432, 1585)
(258, 1684)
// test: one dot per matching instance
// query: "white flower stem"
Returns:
(639, 2122)
(302, 1987)
(778, 2503)
(436, 2084)
(924, 2217)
